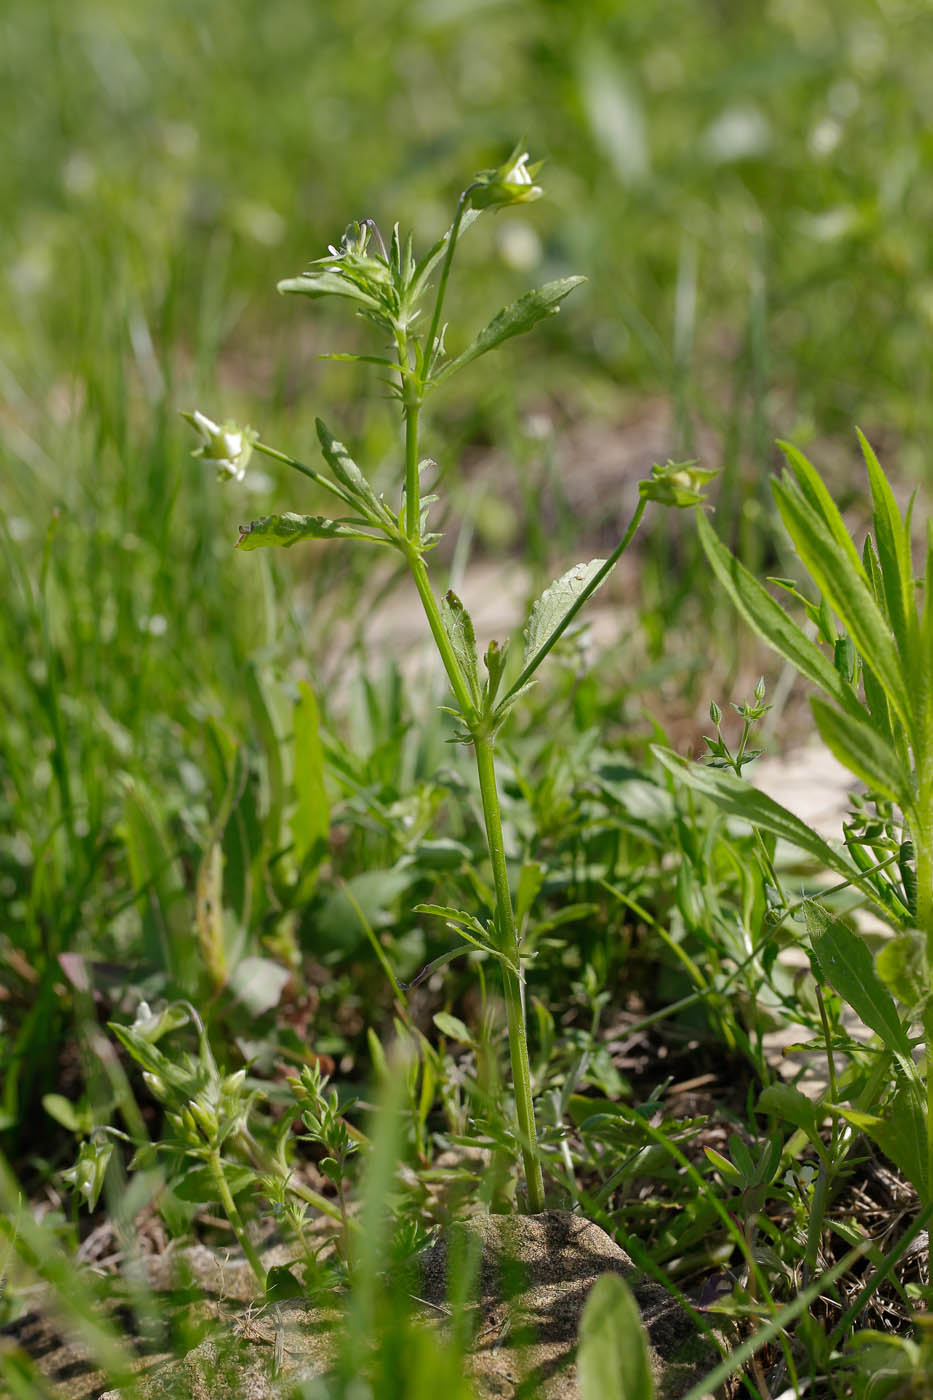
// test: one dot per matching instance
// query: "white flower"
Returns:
(224, 446)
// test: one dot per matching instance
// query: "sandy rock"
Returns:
(534, 1276)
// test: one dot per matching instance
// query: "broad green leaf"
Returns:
(453, 1028)
(327, 284)
(845, 586)
(310, 821)
(258, 984)
(847, 966)
(866, 753)
(739, 799)
(901, 1133)
(347, 472)
(769, 619)
(516, 319)
(789, 1104)
(459, 628)
(288, 529)
(550, 614)
(199, 1184)
(902, 966)
(613, 1361)
(893, 553)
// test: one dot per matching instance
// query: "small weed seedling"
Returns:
(388, 287)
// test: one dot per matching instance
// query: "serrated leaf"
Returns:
(459, 628)
(866, 753)
(613, 1361)
(513, 320)
(549, 613)
(288, 529)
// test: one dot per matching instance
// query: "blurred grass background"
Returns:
(746, 187)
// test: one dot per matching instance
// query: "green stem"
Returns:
(578, 602)
(441, 640)
(233, 1215)
(316, 477)
(412, 483)
(514, 999)
(429, 348)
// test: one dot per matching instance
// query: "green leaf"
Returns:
(516, 319)
(434, 254)
(310, 821)
(64, 1112)
(281, 1283)
(787, 1103)
(847, 966)
(459, 628)
(258, 984)
(902, 966)
(613, 1361)
(893, 552)
(769, 619)
(288, 529)
(348, 473)
(738, 799)
(845, 586)
(901, 1133)
(453, 1028)
(549, 613)
(866, 753)
(821, 502)
(199, 1185)
(494, 661)
(327, 284)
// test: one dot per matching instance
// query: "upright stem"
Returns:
(236, 1220)
(442, 283)
(412, 483)
(514, 998)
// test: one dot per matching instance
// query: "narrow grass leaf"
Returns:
(310, 822)
(864, 751)
(613, 1361)
(769, 619)
(813, 490)
(893, 553)
(513, 320)
(738, 799)
(845, 586)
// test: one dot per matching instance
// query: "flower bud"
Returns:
(677, 484)
(226, 447)
(512, 183)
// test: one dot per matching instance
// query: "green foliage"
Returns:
(612, 1361)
